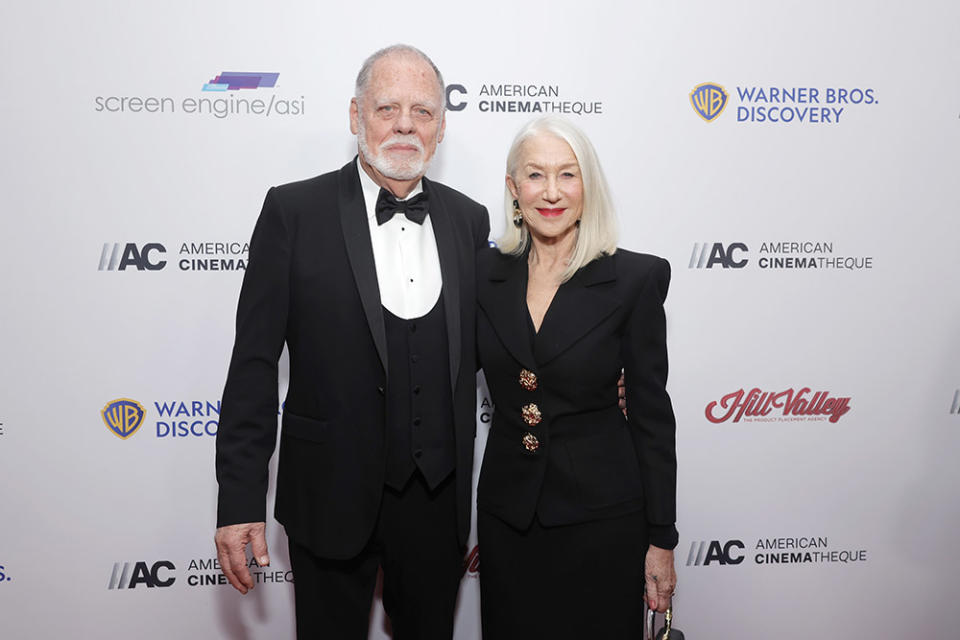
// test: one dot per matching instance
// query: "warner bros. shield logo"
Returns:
(123, 416)
(708, 100)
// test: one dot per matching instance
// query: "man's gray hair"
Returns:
(363, 78)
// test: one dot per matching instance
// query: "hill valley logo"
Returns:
(471, 563)
(790, 405)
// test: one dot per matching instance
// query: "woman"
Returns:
(574, 499)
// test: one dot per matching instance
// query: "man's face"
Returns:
(399, 119)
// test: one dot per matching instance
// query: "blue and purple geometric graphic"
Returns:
(233, 80)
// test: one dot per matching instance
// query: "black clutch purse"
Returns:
(666, 632)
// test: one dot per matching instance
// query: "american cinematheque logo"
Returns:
(513, 97)
(775, 105)
(191, 256)
(768, 551)
(200, 572)
(222, 97)
(790, 405)
(806, 255)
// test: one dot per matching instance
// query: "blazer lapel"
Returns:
(448, 252)
(503, 298)
(356, 237)
(577, 307)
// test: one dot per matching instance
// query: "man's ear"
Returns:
(354, 116)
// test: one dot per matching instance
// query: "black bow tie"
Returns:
(415, 208)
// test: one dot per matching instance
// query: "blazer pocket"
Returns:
(606, 469)
(305, 428)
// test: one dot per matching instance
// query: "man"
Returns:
(367, 274)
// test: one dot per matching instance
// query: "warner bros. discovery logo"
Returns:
(123, 417)
(708, 100)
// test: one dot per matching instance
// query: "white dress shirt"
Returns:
(405, 254)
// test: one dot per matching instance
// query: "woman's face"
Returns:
(548, 186)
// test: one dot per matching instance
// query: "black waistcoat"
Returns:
(419, 400)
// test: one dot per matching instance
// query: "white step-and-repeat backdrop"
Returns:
(798, 163)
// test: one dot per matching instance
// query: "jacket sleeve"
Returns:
(649, 411)
(248, 418)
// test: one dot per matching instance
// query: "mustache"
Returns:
(410, 140)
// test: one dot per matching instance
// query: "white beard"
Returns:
(395, 169)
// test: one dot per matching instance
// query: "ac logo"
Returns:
(715, 553)
(456, 106)
(123, 416)
(127, 575)
(707, 256)
(708, 100)
(117, 257)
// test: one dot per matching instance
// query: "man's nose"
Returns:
(404, 122)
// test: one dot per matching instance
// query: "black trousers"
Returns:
(415, 543)
(579, 582)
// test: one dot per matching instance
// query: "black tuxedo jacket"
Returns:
(585, 461)
(311, 283)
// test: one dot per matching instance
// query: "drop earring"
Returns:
(517, 215)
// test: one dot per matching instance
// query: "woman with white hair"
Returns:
(576, 502)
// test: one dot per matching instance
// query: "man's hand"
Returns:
(622, 395)
(231, 544)
(661, 579)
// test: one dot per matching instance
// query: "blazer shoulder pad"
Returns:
(643, 268)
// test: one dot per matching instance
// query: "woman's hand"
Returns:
(661, 579)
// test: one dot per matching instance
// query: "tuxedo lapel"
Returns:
(503, 298)
(448, 252)
(356, 237)
(576, 308)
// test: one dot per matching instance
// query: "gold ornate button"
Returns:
(528, 380)
(530, 442)
(531, 414)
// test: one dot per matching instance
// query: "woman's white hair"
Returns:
(597, 232)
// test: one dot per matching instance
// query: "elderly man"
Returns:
(367, 275)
